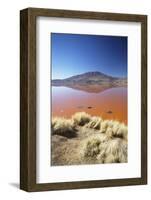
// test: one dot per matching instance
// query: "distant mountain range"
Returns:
(91, 82)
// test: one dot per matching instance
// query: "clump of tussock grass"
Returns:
(118, 130)
(104, 126)
(113, 151)
(95, 123)
(114, 129)
(63, 127)
(53, 122)
(122, 131)
(103, 149)
(90, 146)
(81, 118)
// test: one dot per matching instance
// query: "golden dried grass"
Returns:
(94, 123)
(104, 150)
(103, 141)
(63, 127)
(81, 118)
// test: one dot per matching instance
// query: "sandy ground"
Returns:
(66, 151)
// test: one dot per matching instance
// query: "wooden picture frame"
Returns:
(28, 98)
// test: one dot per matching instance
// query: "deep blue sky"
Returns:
(74, 54)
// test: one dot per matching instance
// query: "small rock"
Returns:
(109, 112)
(89, 107)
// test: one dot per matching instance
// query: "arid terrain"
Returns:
(86, 139)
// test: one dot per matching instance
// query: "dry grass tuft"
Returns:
(63, 127)
(122, 131)
(114, 129)
(104, 126)
(118, 130)
(113, 151)
(91, 145)
(104, 150)
(81, 118)
(95, 123)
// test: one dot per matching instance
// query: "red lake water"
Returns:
(109, 103)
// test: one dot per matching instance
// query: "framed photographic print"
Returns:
(83, 92)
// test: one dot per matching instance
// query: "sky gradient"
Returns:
(73, 54)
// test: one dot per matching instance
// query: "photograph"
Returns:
(88, 99)
(83, 99)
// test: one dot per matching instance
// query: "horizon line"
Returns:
(89, 72)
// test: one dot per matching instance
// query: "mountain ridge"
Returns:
(92, 74)
(90, 78)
